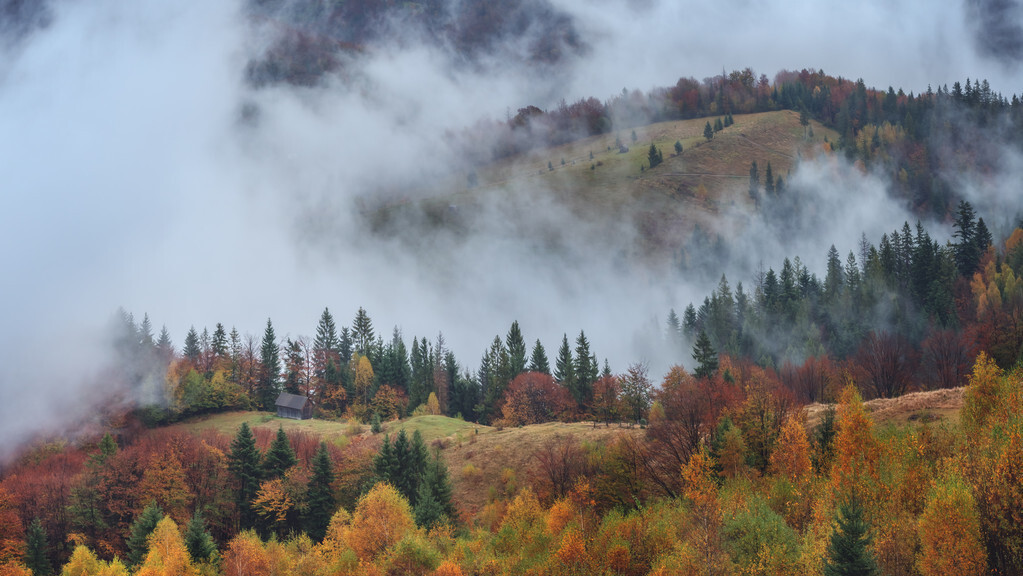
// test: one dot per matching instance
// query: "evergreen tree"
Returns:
(516, 351)
(586, 371)
(191, 351)
(37, 555)
(294, 362)
(279, 457)
(769, 180)
(654, 156)
(967, 251)
(848, 550)
(708, 132)
(982, 237)
(141, 528)
(433, 504)
(244, 465)
(674, 330)
(219, 344)
(678, 147)
(564, 368)
(718, 125)
(320, 501)
(385, 464)
(200, 544)
(754, 183)
(362, 333)
(270, 369)
(705, 356)
(538, 360)
(164, 346)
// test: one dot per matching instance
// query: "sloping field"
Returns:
(927, 406)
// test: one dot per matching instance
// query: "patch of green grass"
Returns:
(436, 427)
(228, 423)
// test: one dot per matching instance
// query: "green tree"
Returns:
(804, 119)
(138, 534)
(705, 356)
(564, 369)
(586, 371)
(538, 359)
(433, 500)
(769, 180)
(967, 251)
(754, 183)
(270, 369)
(192, 352)
(516, 351)
(848, 550)
(708, 132)
(634, 137)
(678, 147)
(200, 544)
(37, 556)
(219, 344)
(320, 501)
(279, 457)
(654, 156)
(244, 465)
(362, 333)
(718, 125)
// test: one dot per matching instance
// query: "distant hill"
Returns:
(597, 181)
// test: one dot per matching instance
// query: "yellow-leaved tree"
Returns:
(949, 528)
(382, 518)
(167, 554)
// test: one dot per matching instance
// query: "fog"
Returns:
(139, 169)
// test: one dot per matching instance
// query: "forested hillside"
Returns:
(710, 466)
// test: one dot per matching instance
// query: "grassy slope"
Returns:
(665, 202)
(488, 449)
(939, 405)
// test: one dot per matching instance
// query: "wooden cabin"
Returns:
(294, 406)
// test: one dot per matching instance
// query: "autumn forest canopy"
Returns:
(751, 452)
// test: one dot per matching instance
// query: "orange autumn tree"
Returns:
(702, 492)
(980, 398)
(854, 471)
(163, 481)
(790, 461)
(381, 519)
(246, 556)
(949, 529)
(167, 554)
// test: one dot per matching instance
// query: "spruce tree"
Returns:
(385, 463)
(37, 556)
(848, 550)
(433, 504)
(362, 333)
(538, 360)
(678, 147)
(708, 132)
(244, 464)
(564, 369)
(141, 528)
(270, 369)
(586, 371)
(200, 544)
(320, 501)
(219, 343)
(705, 356)
(191, 351)
(279, 457)
(769, 180)
(516, 351)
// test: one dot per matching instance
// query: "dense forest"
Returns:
(725, 473)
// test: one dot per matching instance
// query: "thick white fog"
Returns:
(139, 169)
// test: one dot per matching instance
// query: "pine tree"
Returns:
(164, 346)
(586, 371)
(705, 356)
(516, 351)
(37, 556)
(270, 370)
(433, 504)
(708, 132)
(320, 501)
(848, 551)
(564, 368)
(654, 156)
(769, 180)
(385, 464)
(200, 544)
(244, 464)
(191, 352)
(362, 332)
(219, 344)
(279, 457)
(538, 360)
(967, 251)
(678, 147)
(141, 528)
(718, 125)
